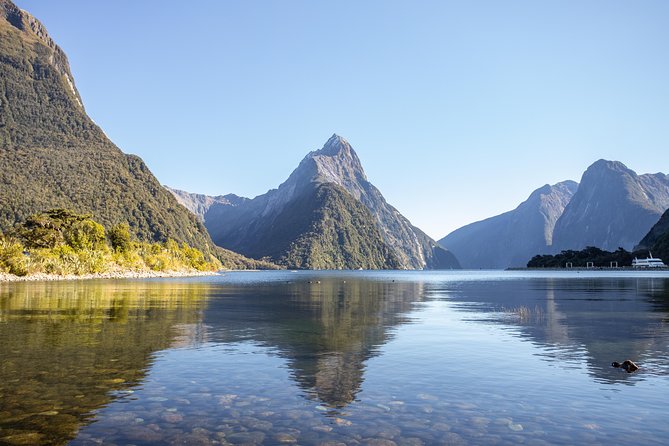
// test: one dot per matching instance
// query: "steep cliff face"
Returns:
(242, 226)
(657, 239)
(613, 207)
(512, 238)
(53, 155)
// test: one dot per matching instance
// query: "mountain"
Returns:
(657, 239)
(201, 205)
(52, 155)
(325, 215)
(613, 207)
(512, 238)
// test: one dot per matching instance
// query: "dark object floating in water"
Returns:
(627, 365)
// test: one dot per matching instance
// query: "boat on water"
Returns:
(648, 262)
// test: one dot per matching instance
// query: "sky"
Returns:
(458, 110)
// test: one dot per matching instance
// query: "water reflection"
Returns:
(269, 358)
(326, 329)
(69, 349)
(595, 321)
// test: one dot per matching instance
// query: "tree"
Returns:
(119, 236)
(61, 226)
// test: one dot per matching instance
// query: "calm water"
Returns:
(337, 358)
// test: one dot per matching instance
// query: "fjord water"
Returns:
(377, 358)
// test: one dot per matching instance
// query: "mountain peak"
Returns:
(603, 164)
(335, 146)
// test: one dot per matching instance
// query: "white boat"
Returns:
(648, 262)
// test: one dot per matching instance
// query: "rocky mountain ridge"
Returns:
(338, 166)
(613, 207)
(514, 237)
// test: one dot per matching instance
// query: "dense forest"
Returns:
(580, 259)
(62, 242)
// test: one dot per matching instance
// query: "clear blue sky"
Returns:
(458, 110)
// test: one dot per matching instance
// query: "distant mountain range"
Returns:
(52, 155)
(325, 215)
(611, 207)
(512, 238)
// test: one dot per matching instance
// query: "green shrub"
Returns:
(119, 237)
(61, 242)
(12, 259)
(85, 235)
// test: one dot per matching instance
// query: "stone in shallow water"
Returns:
(284, 438)
(172, 417)
(322, 428)
(191, 440)
(383, 431)
(255, 424)
(443, 427)
(451, 438)
(246, 438)
(378, 442)
(410, 441)
(227, 399)
(466, 406)
(516, 427)
(342, 422)
(479, 421)
(24, 438)
(503, 421)
(142, 434)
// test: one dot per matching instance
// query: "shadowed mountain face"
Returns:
(53, 155)
(657, 239)
(613, 207)
(325, 215)
(512, 238)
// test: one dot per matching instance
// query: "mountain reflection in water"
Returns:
(335, 357)
(326, 329)
(597, 320)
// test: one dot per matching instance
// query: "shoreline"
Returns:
(583, 268)
(42, 277)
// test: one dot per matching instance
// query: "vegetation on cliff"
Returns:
(62, 242)
(337, 232)
(52, 155)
